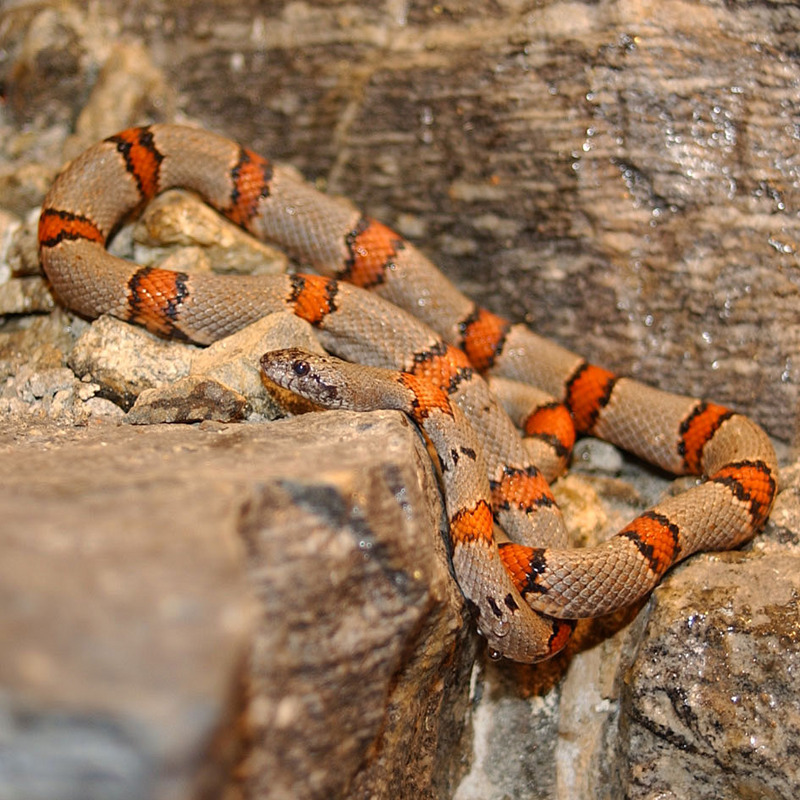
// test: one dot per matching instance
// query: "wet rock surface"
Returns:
(713, 690)
(220, 610)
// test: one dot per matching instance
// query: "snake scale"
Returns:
(416, 343)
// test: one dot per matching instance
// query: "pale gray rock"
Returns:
(23, 253)
(125, 359)
(234, 360)
(709, 702)
(10, 226)
(225, 382)
(38, 342)
(180, 220)
(55, 394)
(25, 296)
(594, 455)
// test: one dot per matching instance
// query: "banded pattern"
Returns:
(501, 613)
(521, 590)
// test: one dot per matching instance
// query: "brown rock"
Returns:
(189, 399)
(126, 608)
(124, 625)
(360, 674)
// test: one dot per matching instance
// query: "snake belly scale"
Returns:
(376, 301)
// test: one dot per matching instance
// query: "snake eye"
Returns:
(300, 368)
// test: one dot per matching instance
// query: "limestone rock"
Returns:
(132, 557)
(10, 226)
(53, 393)
(125, 359)
(25, 296)
(38, 342)
(225, 381)
(234, 360)
(179, 220)
(709, 702)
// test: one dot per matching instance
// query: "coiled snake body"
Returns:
(524, 592)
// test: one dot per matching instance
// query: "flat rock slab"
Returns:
(125, 622)
(137, 564)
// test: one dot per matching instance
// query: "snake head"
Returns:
(308, 375)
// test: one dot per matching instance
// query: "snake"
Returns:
(500, 404)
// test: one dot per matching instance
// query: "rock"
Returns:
(784, 520)
(225, 381)
(180, 220)
(128, 87)
(357, 615)
(361, 620)
(25, 296)
(37, 342)
(125, 359)
(189, 399)
(709, 703)
(49, 61)
(22, 187)
(598, 456)
(125, 626)
(10, 226)
(234, 361)
(514, 739)
(53, 393)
